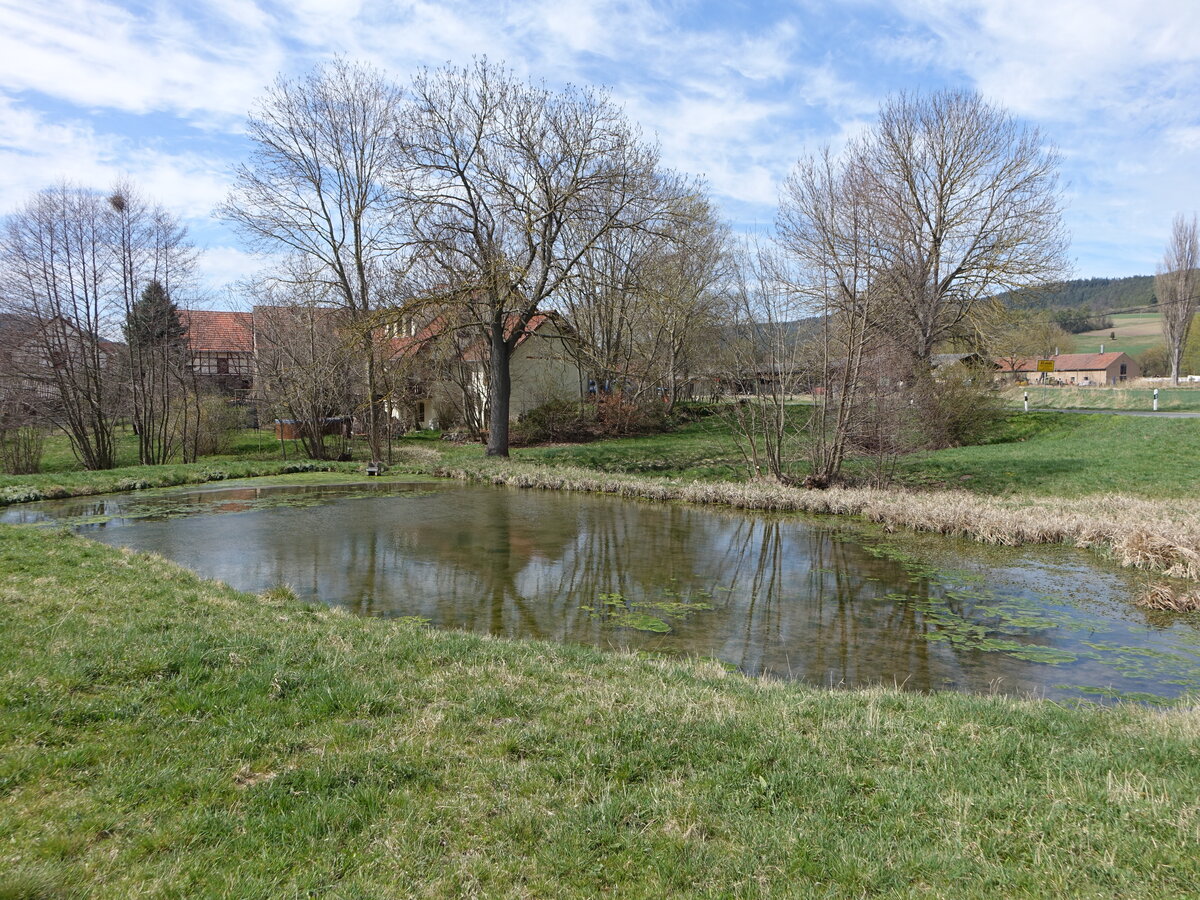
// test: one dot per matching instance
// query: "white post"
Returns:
(1156, 399)
(1027, 401)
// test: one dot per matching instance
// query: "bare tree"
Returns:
(965, 203)
(645, 303)
(305, 363)
(154, 261)
(763, 361)
(58, 268)
(1177, 286)
(829, 252)
(509, 185)
(318, 184)
(1011, 336)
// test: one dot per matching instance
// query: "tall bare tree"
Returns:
(965, 203)
(763, 361)
(305, 363)
(1177, 286)
(829, 254)
(644, 303)
(509, 185)
(58, 272)
(154, 260)
(318, 183)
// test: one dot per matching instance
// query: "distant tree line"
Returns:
(1099, 294)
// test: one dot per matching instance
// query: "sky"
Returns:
(93, 90)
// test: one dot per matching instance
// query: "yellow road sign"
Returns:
(1045, 365)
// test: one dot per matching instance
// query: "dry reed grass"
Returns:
(1150, 535)
(1164, 597)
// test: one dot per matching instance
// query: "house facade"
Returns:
(1073, 368)
(221, 348)
(448, 378)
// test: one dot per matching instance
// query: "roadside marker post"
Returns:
(1027, 401)
(1156, 399)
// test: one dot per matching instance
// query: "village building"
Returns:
(1072, 368)
(221, 348)
(34, 353)
(439, 375)
(447, 371)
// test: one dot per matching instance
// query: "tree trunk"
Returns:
(500, 384)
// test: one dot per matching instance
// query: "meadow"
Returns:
(165, 736)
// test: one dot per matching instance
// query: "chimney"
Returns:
(1101, 348)
(1056, 351)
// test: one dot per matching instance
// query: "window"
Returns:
(222, 365)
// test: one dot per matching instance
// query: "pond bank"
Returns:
(1160, 537)
(165, 734)
(1156, 536)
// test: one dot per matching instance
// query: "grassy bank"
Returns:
(77, 483)
(1157, 536)
(161, 735)
(1028, 455)
(1182, 399)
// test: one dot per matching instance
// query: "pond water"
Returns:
(815, 599)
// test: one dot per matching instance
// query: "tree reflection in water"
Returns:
(770, 594)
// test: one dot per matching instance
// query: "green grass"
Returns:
(1071, 455)
(1034, 454)
(250, 454)
(165, 736)
(1182, 399)
(1135, 333)
(703, 449)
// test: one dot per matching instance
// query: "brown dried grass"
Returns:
(1164, 597)
(1154, 536)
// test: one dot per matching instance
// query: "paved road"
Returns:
(1161, 414)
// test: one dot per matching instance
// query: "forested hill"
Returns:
(1099, 294)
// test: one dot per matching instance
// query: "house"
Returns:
(221, 348)
(446, 370)
(1073, 368)
(38, 355)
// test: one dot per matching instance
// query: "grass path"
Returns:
(165, 736)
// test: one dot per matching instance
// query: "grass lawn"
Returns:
(1035, 454)
(704, 449)
(165, 736)
(1071, 455)
(1141, 398)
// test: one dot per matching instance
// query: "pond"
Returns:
(821, 600)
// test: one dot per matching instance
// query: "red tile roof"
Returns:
(1066, 362)
(222, 332)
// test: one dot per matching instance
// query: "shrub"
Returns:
(219, 420)
(21, 449)
(614, 415)
(1155, 362)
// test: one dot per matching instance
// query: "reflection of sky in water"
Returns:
(781, 595)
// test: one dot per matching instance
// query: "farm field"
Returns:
(1132, 333)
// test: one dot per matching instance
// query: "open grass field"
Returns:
(1181, 399)
(165, 736)
(1132, 333)
(1035, 454)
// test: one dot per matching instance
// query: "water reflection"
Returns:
(775, 595)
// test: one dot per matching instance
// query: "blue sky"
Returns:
(93, 90)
